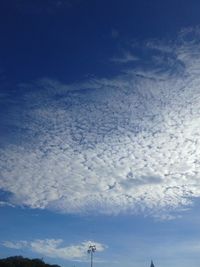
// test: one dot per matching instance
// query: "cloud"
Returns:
(130, 143)
(15, 245)
(53, 248)
(4, 203)
(125, 58)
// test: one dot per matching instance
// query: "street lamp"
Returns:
(91, 250)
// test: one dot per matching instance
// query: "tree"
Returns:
(19, 261)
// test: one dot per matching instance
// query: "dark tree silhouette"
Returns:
(19, 261)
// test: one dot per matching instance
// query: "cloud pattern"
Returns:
(130, 143)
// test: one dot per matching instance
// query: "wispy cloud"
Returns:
(53, 248)
(126, 144)
(4, 203)
(125, 58)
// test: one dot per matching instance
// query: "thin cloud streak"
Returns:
(125, 58)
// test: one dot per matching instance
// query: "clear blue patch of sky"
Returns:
(76, 40)
(120, 233)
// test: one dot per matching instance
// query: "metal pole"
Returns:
(91, 250)
(91, 258)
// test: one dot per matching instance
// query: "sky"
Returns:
(99, 131)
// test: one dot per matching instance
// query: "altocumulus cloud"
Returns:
(53, 248)
(126, 144)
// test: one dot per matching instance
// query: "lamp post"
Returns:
(91, 250)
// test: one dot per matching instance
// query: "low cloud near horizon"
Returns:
(54, 248)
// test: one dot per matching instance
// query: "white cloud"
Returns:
(15, 245)
(127, 144)
(53, 248)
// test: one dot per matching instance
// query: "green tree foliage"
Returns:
(19, 261)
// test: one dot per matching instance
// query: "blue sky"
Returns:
(100, 144)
